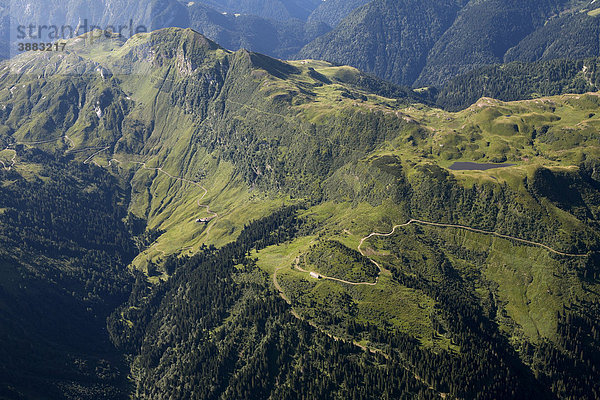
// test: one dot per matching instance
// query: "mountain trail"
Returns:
(11, 146)
(214, 216)
(321, 276)
(417, 221)
(408, 366)
(468, 228)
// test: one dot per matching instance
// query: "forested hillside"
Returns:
(404, 43)
(332, 12)
(571, 36)
(415, 43)
(64, 251)
(250, 346)
(482, 33)
(277, 28)
(278, 38)
(519, 81)
(238, 340)
(388, 38)
(279, 10)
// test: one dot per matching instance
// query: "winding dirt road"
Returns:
(311, 323)
(13, 160)
(71, 144)
(299, 268)
(417, 221)
(12, 145)
(336, 338)
(468, 228)
(282, 293)
(178, 178)
(381, 270)
(90, 158)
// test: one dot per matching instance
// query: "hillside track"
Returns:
(177, 178)
(468, 228)
(436, 224)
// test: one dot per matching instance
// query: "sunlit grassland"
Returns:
(594, 13)
(388, 304)
(512, 132)
(173, 208)
(530, 285)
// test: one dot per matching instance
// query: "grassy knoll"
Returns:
(336, 306)
(331, 258)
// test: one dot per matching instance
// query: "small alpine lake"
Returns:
(473, 166)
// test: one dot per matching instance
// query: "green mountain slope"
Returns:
(63, 272)
(251, 172)
(482, 33)
(431, 42)
(571, 36)
(332, 12)
(387, 38)
(519, 81)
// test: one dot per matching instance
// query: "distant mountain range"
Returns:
(409, 42)
(388, 38)
(279, 10)
(518, 81)
(469, 34)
